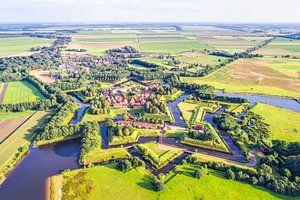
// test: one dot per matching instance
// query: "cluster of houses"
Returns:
(140, 124)
(119, 100)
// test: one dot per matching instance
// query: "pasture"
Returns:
(20, 46)
(258, 76)
(281, 46)
(200, 58)
(21, 91)
(284, 124)
(110, 183)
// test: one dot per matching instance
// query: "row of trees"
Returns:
(91, 138)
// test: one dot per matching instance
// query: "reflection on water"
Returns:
(27, 180)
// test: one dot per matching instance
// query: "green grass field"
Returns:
(20, 45)
(22, 91)
(284, 124)
(258, 76)
(109, 183)
(102, 117)
(12, 115)
(199, 58)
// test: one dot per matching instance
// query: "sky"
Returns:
(100, 11)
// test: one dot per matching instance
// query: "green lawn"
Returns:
(21, 91)
(284, 124)
(20, 45)
(109, 183)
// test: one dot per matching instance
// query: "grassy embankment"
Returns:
(284, 124)
(157, 157)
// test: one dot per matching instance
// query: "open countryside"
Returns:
(146, 100)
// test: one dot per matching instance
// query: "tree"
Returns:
(198, 174)
(158, 184)
(230, 174)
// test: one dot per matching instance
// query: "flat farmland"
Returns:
(96, 42)
(9, 122)
(43, 76)
(281, 46)
(284, 124)
(18, 46)
(232, 44)
(259, 76)
(22, 91)
(200, 58)
(172, 47)
(21, 137)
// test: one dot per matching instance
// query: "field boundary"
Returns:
(2, 93)
(26, 120)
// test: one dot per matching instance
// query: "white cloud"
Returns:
(149, 11)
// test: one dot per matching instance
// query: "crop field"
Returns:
(200, 58)
(20, 46)
(232, 44)
(97, 41)
(22, 91)
(281, 46)
(258, 76)
(284, 124)
(21, 137)
(110, 183)
(43, 76)
(9, 122)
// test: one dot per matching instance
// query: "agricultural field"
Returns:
(20, 46)
(232, 44)
(9, 122)
(200, 58)
(20, 138)
(22, 91)
(97, 41)
(110, 183)
(280, 47)
(43, 76)
(258, 76)
(284, 124)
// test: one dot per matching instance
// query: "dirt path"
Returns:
(2, 93)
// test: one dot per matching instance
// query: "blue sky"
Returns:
(149, 11)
